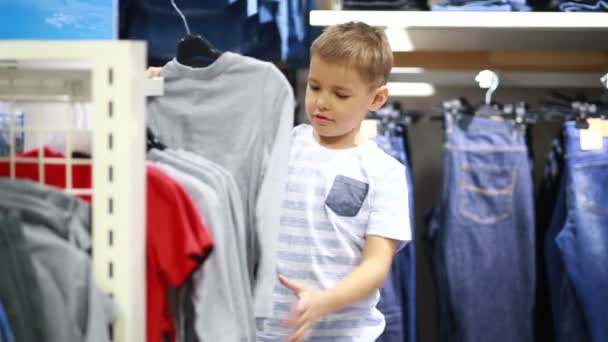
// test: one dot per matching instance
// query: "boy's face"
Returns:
(337, 99)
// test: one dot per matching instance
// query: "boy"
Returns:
(345, 213)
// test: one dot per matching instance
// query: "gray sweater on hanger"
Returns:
(238, 113)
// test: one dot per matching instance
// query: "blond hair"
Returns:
(359, 45)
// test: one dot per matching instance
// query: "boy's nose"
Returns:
(321, 104)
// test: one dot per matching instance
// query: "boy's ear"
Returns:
(380, 98)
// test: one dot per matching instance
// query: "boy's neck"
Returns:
(352, 139)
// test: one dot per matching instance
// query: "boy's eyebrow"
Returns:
(341, 88)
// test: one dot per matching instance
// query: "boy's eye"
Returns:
(342, 96)
(315, 88)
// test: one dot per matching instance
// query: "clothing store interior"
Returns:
(197, 170)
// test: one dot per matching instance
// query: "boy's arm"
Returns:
(369, 276)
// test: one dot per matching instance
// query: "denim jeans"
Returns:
(398, 295)
(568, 321)
(482, 233)
(582, 241)
(563, 315)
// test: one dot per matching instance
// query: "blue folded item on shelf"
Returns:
(491, 8)
(402, 5)
(483, 6)
(597, 6)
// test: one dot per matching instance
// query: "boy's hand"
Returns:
(152, 72)
(311, 306)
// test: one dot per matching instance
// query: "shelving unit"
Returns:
(471, 30)
(530, 49)
(111, 76)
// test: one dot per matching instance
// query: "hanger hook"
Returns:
(182, 16)
(488, 79)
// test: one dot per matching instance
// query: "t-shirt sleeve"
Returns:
(199, 233)
(390, 211)
(274, 173)
(180, 239)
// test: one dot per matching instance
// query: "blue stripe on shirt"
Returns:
(311, 275)
(308, 241)
(317, 259)
(299, 222)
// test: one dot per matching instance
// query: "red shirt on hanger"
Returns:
(177, 243)
(54, 174)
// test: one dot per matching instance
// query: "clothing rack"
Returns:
(573, 109)
(111, 76)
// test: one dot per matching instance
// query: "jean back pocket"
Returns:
(346, 196)
(589, 180)
(486, 193)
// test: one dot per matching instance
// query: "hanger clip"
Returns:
(581, 110)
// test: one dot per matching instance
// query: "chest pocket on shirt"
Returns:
(346, 196)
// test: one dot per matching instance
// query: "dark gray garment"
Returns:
(74, 308)
(74, 210)
(221, 285)
(238, 113)
(60, 199)
(20, 292)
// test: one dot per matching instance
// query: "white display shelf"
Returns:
(418, 30)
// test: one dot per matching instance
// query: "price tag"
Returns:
(593, 137)
(605, 128)
(369, 129)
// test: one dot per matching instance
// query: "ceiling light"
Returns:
(413, 89)
(403, 70)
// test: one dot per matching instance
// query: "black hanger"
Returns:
(489, 110)
(80, 155)
(520, 113)
(457, 106)
(194, 50)
(152, 142)
(583, 111)
(579, 97)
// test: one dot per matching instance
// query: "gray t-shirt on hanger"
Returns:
(237, 112)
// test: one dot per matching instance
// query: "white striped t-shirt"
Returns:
(334, 199)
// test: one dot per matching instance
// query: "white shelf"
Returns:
(411, 30)
(46, 82)
(526, 79)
